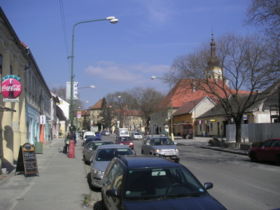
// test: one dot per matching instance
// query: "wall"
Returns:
(254, 132)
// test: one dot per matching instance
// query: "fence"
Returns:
(254, 132)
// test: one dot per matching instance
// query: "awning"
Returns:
(6, 109)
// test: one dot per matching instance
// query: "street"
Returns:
(238, 183)
(62, 183)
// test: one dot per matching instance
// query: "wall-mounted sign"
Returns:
(11, 88)
(42, 119)
(79, 114)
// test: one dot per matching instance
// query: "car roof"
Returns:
(112, 146)
(138, 162)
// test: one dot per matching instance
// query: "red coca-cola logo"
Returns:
(11, 88)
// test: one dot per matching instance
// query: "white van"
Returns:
(123, 132)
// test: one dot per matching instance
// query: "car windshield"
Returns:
(161, 183)
(161, 141)
(109, 154)
(96, 144)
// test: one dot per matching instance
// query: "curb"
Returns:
(226, 150)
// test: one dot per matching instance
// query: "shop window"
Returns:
(11, 69)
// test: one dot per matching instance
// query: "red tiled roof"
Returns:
(187, 107)
(84, 112)
(184, 92)
(98, 105)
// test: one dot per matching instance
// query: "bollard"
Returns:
(71, 149)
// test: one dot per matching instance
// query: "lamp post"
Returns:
(171, 114)
(111, 19)
(90, 86)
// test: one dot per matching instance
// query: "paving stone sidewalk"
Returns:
(61, 183)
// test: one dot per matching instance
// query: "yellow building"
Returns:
(24, 117)
(13, 61)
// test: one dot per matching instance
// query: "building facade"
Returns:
(25, 118)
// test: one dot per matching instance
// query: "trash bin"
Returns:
(38, 147)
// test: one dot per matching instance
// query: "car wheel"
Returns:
(253, 157)
(103, 206)
(278, 160)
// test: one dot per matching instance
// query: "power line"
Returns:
(62, 17)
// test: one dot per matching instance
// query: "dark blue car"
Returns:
(139, 182)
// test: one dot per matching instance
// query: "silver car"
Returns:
(162, 147)
(90, 147)
(101, 158)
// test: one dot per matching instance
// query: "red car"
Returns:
(268, 150)
(125, 141)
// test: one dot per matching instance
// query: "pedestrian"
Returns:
(66, 145)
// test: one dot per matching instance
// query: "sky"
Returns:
(149, 36)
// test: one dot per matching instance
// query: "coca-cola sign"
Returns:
(11, 87)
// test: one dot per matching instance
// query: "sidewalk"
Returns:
(61, 183)
(202, 142)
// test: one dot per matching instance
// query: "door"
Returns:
(114, 181)
(264, 151)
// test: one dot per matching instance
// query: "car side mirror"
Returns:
(112, 193)
(208, 185)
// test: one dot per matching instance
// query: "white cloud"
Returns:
(158, 11)
(138, 73)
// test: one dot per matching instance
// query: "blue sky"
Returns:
(117, 57)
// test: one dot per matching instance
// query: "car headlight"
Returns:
(176, 151)
(158, 151)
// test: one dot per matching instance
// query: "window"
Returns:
(276, 144)
(11, 69)
(267, 143)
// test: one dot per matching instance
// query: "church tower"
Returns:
(214, 71)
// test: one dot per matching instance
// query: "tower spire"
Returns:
(214, 69)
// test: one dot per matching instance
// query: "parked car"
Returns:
(141, 182)
(268, 150)
(91, 138)
(90, 147)
(101, 158)
(98, 135)
(125, 141)
(105, 133)
(160, 146)
(136, 136)
(86, 134)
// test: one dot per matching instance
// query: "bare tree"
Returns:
(245, 64)
(148, 100)
(267, 14)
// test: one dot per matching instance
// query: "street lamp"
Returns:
(111, 19)
(90, 86)
(171, 114)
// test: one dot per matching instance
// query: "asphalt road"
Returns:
(238, 183)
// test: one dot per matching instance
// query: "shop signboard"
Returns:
(11, 88)
(27, 162)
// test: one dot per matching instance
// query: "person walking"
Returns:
(66, 143)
